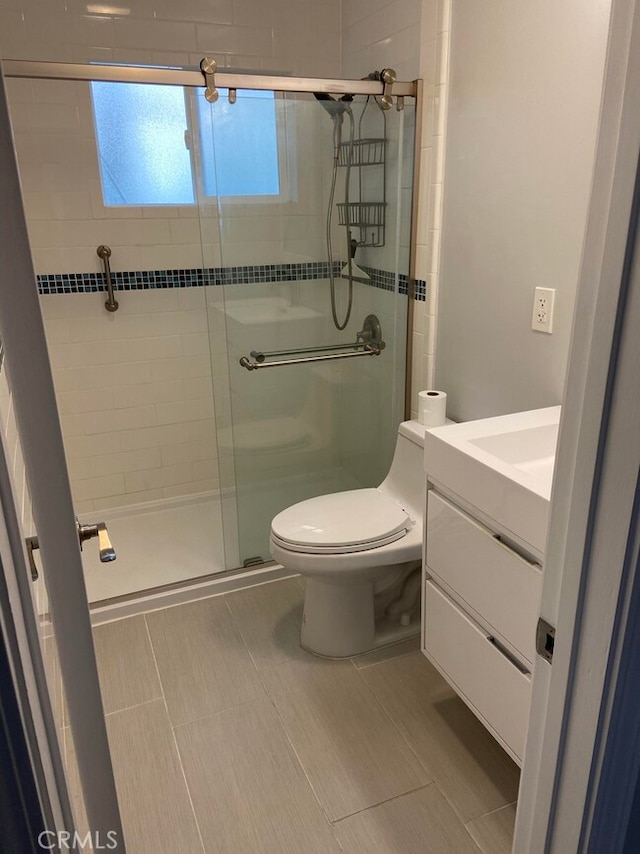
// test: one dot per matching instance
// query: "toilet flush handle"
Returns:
(99, 530)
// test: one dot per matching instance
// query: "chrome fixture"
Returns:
(336, 109)
(368, 343)
(388, 77)
(104, 252)
(208, 66)
(85, 532)
(180, 77)
(367, 218)
(253, 366)
(99, 530)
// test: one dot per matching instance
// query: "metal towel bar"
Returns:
(253, 366)
(111, 303)
(259, 356)
(369, 343)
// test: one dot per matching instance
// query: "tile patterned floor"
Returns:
(228, 738)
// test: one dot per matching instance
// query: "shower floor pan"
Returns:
(159, 543)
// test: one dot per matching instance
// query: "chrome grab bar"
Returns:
(369, 343)
(104, 252)
(259, 356)
(253, 366)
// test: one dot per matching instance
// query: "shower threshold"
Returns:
(162, 543)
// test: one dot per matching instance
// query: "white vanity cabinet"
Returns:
(481, 600)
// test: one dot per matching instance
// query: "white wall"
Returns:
(298, 36)
(135, 388)
(524, 94)
(411, 36)
(134, 392)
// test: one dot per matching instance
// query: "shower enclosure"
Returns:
(259, 230)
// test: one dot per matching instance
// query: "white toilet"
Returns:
(360, 552)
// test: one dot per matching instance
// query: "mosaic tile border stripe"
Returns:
(79, 283)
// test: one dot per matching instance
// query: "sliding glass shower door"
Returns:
(303, 196)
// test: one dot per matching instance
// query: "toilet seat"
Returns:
(341, 523)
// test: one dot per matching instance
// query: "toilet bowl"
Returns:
(359, 552)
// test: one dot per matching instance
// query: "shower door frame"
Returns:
(34, 70)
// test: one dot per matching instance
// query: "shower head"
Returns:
(334, 106)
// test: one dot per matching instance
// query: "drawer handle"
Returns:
(509, 544)
(508, 655)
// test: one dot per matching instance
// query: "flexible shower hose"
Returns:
(336, 156)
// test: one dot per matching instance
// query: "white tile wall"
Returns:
(17, 472)
(130, 388)
(53, 120)
(411, 36)
(116, 374)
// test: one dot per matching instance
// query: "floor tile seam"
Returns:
(216, 713)
(236, 625)
(134, 706)
(157, 687)
(286, 735)
(385, 660)
(170, 607)
(269, 664)
(336, 821)
(471, 821)
(457, 815)
(155, 659)
(475, 841)
(186, 782)
(464, 821)
(295, 753)
(173, 735)
(491, 812)
(396, 727)
(240, 590)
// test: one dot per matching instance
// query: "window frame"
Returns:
(286, 158)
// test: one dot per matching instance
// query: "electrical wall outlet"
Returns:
(542, 319)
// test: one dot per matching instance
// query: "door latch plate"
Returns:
(545, 640)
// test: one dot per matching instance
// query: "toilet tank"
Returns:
(406, 480)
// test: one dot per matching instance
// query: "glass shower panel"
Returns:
(287, 432)
(134, 386)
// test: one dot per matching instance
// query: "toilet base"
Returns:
(339, 621)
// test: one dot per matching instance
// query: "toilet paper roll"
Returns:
(432, 408)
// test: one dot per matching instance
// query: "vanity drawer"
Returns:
(495, 688)
(488, 576)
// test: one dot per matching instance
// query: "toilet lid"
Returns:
(341, 522)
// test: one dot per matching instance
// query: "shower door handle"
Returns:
(85, 532)
(99, 530)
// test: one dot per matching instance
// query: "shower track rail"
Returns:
(186, 77)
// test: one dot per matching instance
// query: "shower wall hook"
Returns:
(208, 66)
(104, 252)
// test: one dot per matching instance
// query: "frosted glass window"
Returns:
(140, 131)
(239, 144)
(144, 160)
